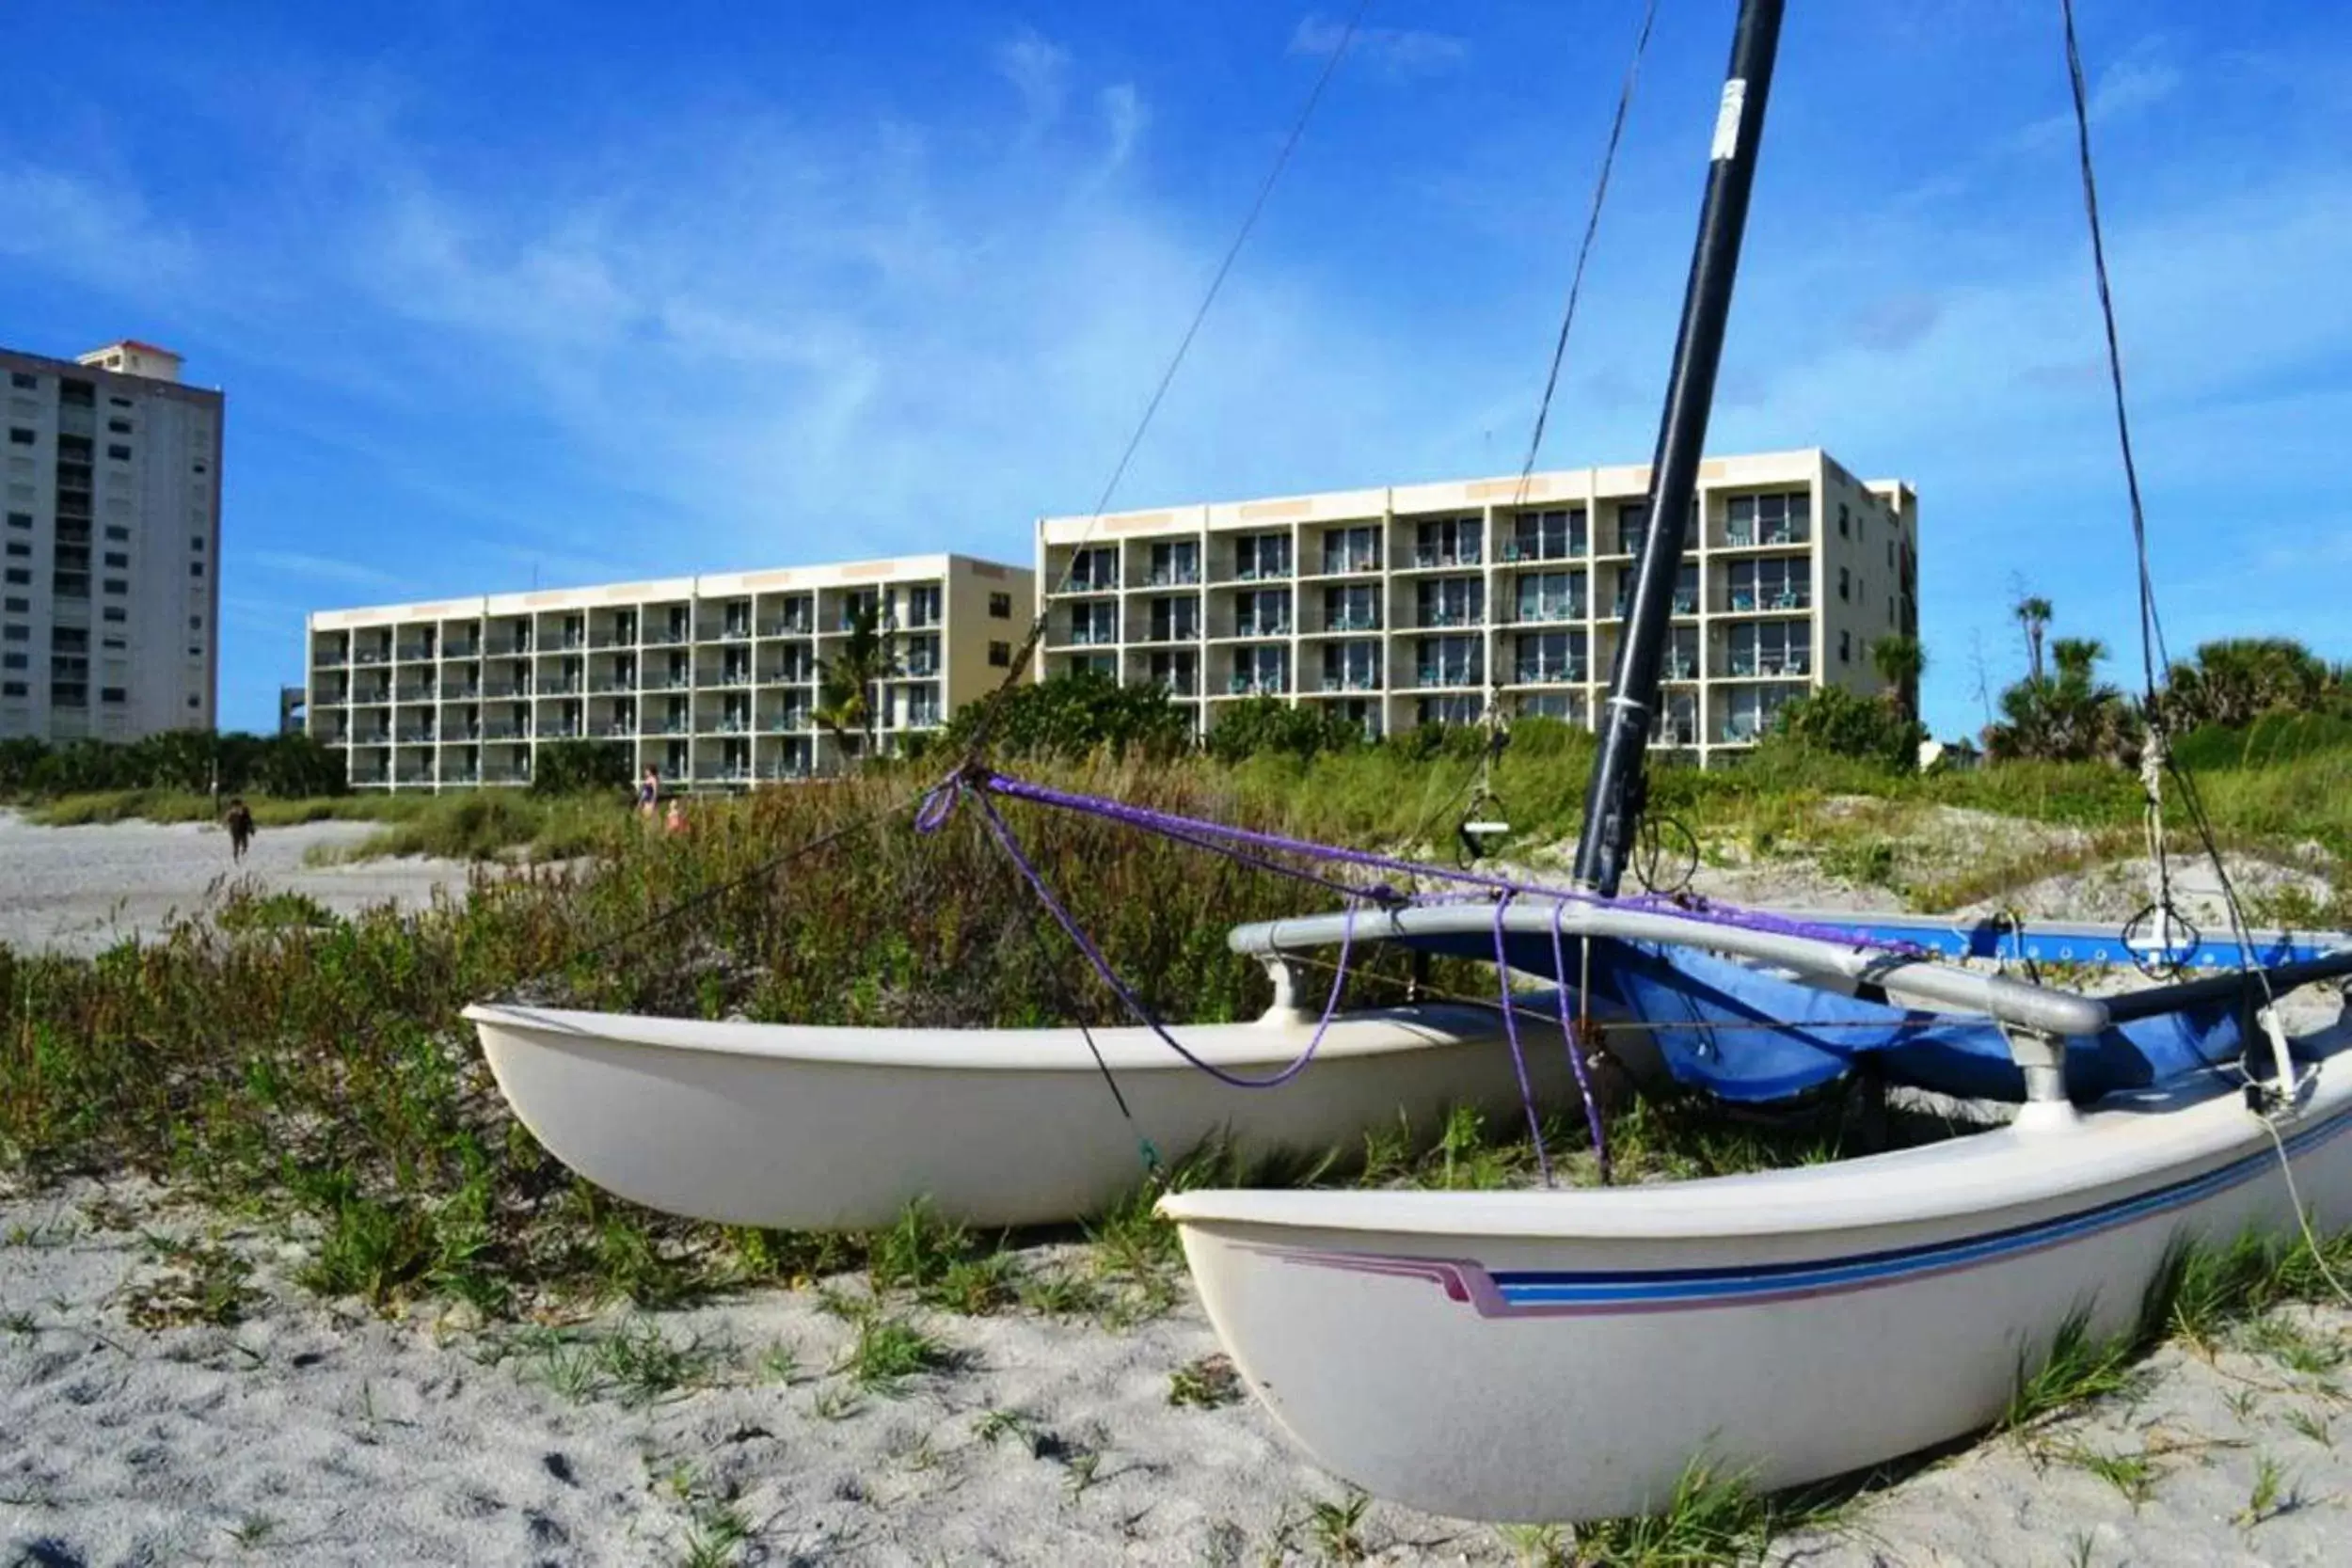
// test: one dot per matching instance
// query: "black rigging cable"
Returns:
(1585, 251)
(2152, 651)
(1027, 649)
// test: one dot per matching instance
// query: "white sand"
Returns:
(314, 1433)
(81, 890)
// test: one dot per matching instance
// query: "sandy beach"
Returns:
(81, 890)
(313, 1432)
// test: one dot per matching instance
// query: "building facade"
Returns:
(714, 680)
(109, 546)
(1427, 603)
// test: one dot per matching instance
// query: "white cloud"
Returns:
(319, 568)
(1039, 70)
(1394, 51)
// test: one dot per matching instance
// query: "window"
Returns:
(196, 542)
(11, 688)
(1093, 569)
(1261, 555)
(112, 694)
(20, 606)
(1778, 519)
(196, 568)
(1000, 654)
(1000, 608)
(24, 381)
(20, 519)
(14, 661)
(114, 612)
(1841, 520)
(1890, 555)
(1357, 549)
(1845, 647)
(119, 402)
(116, 585)
(117, 558)
(1845, 584)
(19, 435)
(18, 548)
(15, 634)
(121, 427)
(1175, 563)
(118, 532)
(1547, 535)
(196, 622)
(18, 574)
(120, 453)
(200, 466)
(192, 703)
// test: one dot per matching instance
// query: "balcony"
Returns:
(1170, 631)
(508, 649)
(1685, 602)
(1348, 564)
(416, 737)
(922, 669)
(613, 639)
(1279, 572)
(369, 656)
(1444, 674)
(602, 685)
(371, 738)
(507, 688)
(333, 659)
(560, 729)
(738, 631)
(1351, 683)
(461, 650)
(1256, 686)
(506, 729)
(1429, 557)
(668, 638)
(1090, 637)
(786, 721)
(1548, 671)
(1263, 626)
(1356, 619)
(413, 694)
(731, 723)
(792, 625)
(461, 776)
(1519, 552)
(1444, 617)
(1679, 667)
(1549, 610)
(1174, 576)
(618, 729)
(1740, 538)
(739, 676)
(682, 681)
(671, 727)
(1754, 664)
(414, 653)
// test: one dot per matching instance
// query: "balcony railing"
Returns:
(1168, 631)
(1253, 572)
(416, 737)
(413, 694)
(1754, 664)
(665, 638)
(332, 658)
(1356, 619)
(1174, 576)
(1551, 610)
(1093, 637)
(508, 649)
(1445, 617)
(1350, 560)
(368, 656)
(414, 653)
(1351, 683)
(1548, 672)
(1256, 686)
(739, 677)
(1445, 675)
(740, 632)
(506, 729)
(507, 688)
(1678, 668)
(1263, 626)
(1518, 550)
(612, 683)
(731, 724)
(461, 776)
(1429, 555)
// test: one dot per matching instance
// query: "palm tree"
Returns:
(1899, 661)
(2233, 682)
(2033, 612)
(848, 694)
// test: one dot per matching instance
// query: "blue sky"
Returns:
(568, 292)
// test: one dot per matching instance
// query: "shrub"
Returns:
(1263, 724)
(1833, 722)
(1073, 716)
(579, 766)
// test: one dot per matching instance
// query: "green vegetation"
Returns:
(193, 761)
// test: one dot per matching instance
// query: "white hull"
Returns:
(1557, 1356)
(841, 1127)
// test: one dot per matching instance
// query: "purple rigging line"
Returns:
(1134, 1003)
(1576, 1049)
(1519, 1057)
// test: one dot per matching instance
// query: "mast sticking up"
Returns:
(1612, 801)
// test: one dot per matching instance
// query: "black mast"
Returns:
(1612, 801)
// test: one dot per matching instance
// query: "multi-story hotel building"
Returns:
(109, 546)
(1424, 603)
(714, 680)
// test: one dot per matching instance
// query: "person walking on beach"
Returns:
(648, 791)
(240, 821)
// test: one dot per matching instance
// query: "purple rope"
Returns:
(1198, 833)
(1134, 1003)
(1575, 1053)
(1519, 1057)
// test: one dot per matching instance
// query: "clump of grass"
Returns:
(635, 1364)
(1338, 1526)
(1205, 1383)
(1713, 1516)
(200, 1282)
(246, 910)
(2270, 1496)
(2134, 1475)
(940, 1263)
(888, 1349)
(2080, 1367)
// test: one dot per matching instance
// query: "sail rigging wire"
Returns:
(1584, 250)
(2152, 644)
(1027, 650)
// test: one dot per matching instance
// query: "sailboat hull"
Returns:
(1558, 1356)
(841, 1127)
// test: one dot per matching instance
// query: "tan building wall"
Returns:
(1423, 603)
(712, 679)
